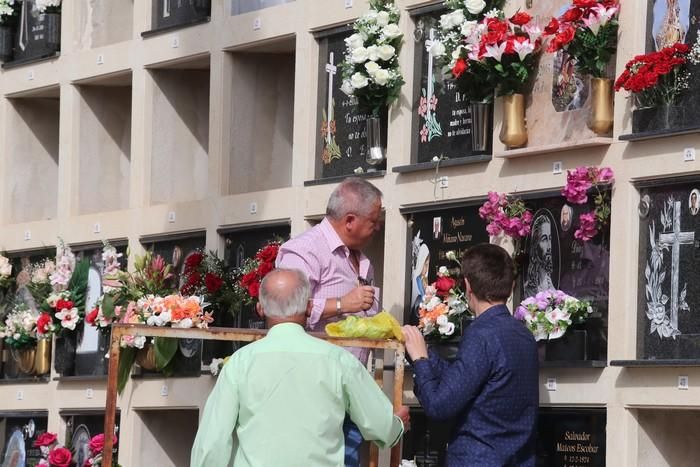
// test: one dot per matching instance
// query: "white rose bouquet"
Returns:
(19, 328)
(9, 11)
(48, 6)
(370, 68)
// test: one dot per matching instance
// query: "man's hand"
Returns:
(415, 343)
(358, 299)
(402, 413)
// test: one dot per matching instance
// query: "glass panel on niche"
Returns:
(342, 129)
(554, 259)
(434, 233)
(19, 293)
(18, 431)
(669, 271)
(175, 251)
(243, 244)
(168, 13)
(444, 123)
(38, 35)
(84, 352)
(80, 428)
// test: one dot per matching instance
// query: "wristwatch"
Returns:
(338, 310)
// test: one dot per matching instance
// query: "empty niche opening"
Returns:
(668, 438)
(31, 175)
(179, 165)
(104, 143)
(238, 7)
(103, 23)
(262, 117)
(166, 437)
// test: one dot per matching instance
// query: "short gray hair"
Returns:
(353, 195)
(292, 301)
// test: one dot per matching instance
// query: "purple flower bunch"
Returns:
(578, 182)
(505, 215)
(549, 313)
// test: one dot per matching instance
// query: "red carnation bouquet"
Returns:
(255, 269)
(207, 275)
(587, 31)
(659, 78)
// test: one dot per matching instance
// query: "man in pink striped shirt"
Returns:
(340, 275)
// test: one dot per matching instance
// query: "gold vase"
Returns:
(42, 359)
(146, 357)
(24, 358)
(601, 118)
(513, 130)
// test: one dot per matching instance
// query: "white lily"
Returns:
(496, 51)
(523, 49)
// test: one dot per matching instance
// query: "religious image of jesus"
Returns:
(541, 264)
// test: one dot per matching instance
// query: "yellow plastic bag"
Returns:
(380, 326)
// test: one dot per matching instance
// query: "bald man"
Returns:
(293, 390)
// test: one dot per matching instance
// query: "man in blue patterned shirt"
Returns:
(491, 389)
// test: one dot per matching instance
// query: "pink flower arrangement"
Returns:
(578, 182)
(505, 215)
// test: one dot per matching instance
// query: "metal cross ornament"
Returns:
(331, 69)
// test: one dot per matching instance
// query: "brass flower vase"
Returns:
(514, 130)
(601, 118)
(42, 357)
(24, 358)
(146, 357)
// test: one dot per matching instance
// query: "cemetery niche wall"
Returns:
(445, 124)
(341, 141)
(669, 270)
(173, 13)
(552, 258)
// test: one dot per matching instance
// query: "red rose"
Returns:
(63, 305)
(90, 317)
(443, 284)
(97, 443)
(460, 67)
(572, 14)
(268, 254)
(254, 289)
(552, 27)
(248, 279)
(585, 3)
(497, 25)
(521, 18)
(264, 268)
(213, 282)
(193, 261)
(42, 324)
(45, 439)
(60, 457)
(566, 36)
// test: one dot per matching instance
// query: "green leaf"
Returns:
(127, 357)
(78, 284)
(108, 306)
(165, 348)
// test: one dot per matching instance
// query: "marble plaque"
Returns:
(167, 13)
(668, 325)
(571, 437)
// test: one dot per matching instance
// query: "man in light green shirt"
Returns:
(281, 401)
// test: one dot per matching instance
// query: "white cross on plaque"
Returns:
(429, 94)
(331, 69)
(675, 239)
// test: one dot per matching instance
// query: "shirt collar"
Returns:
(285, 329)
(494, 311)
(334, 241)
